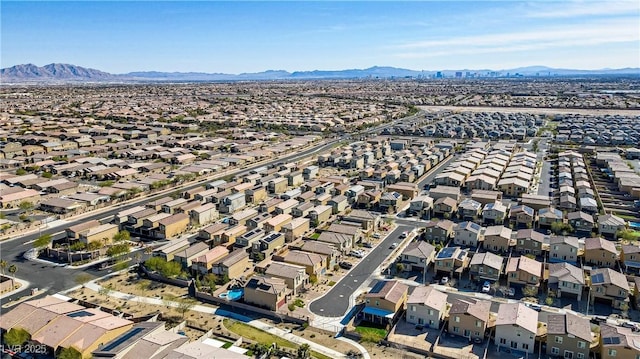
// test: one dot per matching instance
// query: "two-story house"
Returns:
(610, 224)
(497, 239)
(516, 327)
(618, 342)
(439, 230)
(563, 249)
(469, 209)
(295, 277)
(494, 213)
(565, 278)
(266, 292)
(600, 252)
(529, 241)
(581, 221)
(524, 272)
(630, 257)
(486, 266)
(450, 261)
(549, 216)
(522, 215)
(610, 286)
(568, 336)
(418, 256)
(426, 306)
(469, 317)
(385, 302)
(468, 234)
(445, 207)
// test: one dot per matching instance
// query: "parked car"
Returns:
(393, 245)
(486, 287)
(345, 265)
(533, 306)
(356, 254)
(367, 245)
(444, 280)
(597, 319)
(376, 235)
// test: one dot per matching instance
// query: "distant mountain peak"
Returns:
(52, 72)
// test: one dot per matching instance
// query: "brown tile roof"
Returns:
(477, 308)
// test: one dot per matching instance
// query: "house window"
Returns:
(413, 308)
(456, 319)
(525, 346)
(514, 345)
(411, 317)
(430, 311)
(568, 354)
(420, 321)
(377, 303)
(503, 341)
(456, 330)
(480, 270)
(582, 344)
(477, 334)
(518, 333)
(478, 324)
(613, 352)
(580, 356)
(558, 340)
(555, 351)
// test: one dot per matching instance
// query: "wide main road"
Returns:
(336, 302)
(52, 278)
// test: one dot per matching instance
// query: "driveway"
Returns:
(336, 302)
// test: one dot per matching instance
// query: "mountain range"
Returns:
(61, 73)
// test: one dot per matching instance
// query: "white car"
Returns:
(444, 280)
(486, 287)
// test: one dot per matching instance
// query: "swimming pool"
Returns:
(634, 225)
(233, 294)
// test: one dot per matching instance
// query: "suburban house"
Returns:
(469, 209)
(549, 216)
(314, 264)
(450, 261)
(232, 265)
(385, 302)
(630, 257)
(609, 224)
(486, 266)
(445, 207)
(204, 263)
(524, 272)
(618, 342)
(516, 327)
(565, 278)
(609, 286)
(342, 242)
(580, 221)
(468, 234)
(469, 317)
(172, 226)
(497, 238)
(188, 255)
(529, 241)
(494, 213)
(439, 230)
(563, 249)
(568, 336)
(426, 306)
(417, 256)
(266, 292)
(295, 229)
(522, 215)
(600, 252)
(294, 276)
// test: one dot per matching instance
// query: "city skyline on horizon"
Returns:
(228, 37)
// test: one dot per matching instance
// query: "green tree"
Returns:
(185, 305)
(548, 301)
(13, 269)
(122, 236)
(624, 308)
(25, 205)
(69, 353)
(94, 246)
(42, 241)
(118, 250)
(304, 351)
(3, 265)
(21, 172)
(78, 246)
(47, 174)
(16, 336)
(106, 183)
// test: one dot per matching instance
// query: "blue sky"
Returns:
(242, 36)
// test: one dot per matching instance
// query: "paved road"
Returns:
(335, 303)
(52, 278)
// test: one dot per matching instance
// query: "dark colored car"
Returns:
(345, 265)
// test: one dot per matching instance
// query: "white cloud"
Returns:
(596, 33)
(583, 8)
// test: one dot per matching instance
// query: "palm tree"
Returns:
(13, 269)
(3, 265)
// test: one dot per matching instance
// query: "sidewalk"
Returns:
(23, 286)
(223, 313)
